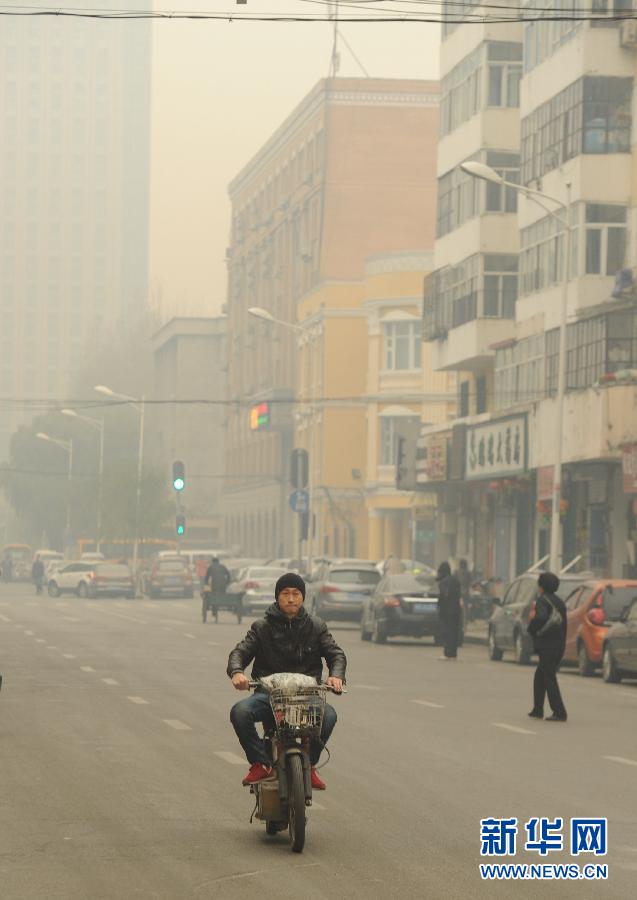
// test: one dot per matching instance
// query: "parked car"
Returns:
(403, 604)
(112, 580)
(255, 586)
(400, 566)
(510, 616)
(591, 609)
(21, 558)
(169, 576)
(337, 590)
(289, 563)
(72, 578)
(92, 556)
(619, 651)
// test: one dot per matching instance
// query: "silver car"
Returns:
(338, 590)
(256, 586)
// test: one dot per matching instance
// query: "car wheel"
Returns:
(585, 666)
(53, 589)
(82, 590)
(494, 651)
(379, 635)
(522, 655)
(610, 672)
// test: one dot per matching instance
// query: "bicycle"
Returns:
(281, 801)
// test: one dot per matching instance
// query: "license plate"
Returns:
(424, 607)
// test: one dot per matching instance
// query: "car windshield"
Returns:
(354, 576)
(409, 584)
(266, 574)
(113, 571)
(617, 599)
(172, 565)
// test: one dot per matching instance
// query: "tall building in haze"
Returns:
(74, 193)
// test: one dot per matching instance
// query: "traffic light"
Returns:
(299, 468)
(179, 475)
(180, 525)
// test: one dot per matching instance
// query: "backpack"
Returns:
(554, 620)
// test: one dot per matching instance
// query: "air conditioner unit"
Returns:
(628, 34)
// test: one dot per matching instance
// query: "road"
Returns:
(121, 774)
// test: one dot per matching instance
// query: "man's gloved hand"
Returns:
(336, 683)
(240, 682)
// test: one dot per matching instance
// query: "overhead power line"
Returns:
(351, 13)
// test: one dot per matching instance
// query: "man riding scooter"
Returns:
(287, 639)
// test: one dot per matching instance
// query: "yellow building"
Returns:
(364, 374)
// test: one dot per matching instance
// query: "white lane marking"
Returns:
(4, 618)
(231, 758)
(70, 619)
(188, 635)
(40, 641)
(32, 603)
(68, 655)
(316, 805)
(87, 668)
(120, 605)
(139, 700)
(213, 643)
(166, 628)
(428, 703)
(30, 633)
(17, 625)
(111, 612)
(513, 728)
(61, 603)
(369, 687)
(622, 760)
(172, 622)
(109, 681)
(177, 725)
(51, 647)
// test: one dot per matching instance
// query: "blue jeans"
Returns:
(246, 713)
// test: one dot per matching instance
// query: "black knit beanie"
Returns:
(289, 580)
(548, 582)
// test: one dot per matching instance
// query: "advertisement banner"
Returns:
(629, 468)
(496, 449)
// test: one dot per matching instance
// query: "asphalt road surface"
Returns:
(121, 776)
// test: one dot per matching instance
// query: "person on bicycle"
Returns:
(286, 639)
(217, 577)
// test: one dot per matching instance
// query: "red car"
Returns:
(590, 611)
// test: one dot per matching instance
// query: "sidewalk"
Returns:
(476, 632)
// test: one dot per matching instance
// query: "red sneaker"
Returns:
(317, 782)
(257, 773)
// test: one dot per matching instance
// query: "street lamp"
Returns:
(480, 170)
(68, 446)
(139, 404)
(259, 313)
(97, 425)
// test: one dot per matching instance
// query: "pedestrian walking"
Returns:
(449, 610)
(548, 630)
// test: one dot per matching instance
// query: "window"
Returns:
(390, 428)
(543, 38)
(519, 372)
(591, 116)
(463, 400)
(402, 345)
(461, 92)
(454, 13)
(505, 72)
(500, 285)
(498, 198)
(605, 238)
(481, 394)
(541, 255)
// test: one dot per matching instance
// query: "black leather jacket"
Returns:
(278, 644)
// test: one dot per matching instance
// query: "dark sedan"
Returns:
(619, 654)
(402, 605)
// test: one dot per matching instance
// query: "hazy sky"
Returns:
(220, 89)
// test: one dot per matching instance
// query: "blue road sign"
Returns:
(300, 501)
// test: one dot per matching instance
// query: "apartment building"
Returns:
(350, 173)
(74, 173)
(576, 143)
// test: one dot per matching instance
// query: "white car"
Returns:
(74, 578)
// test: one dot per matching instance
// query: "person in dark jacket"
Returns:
(449, 609)
(287, 639)
(217, 577)
(549, 640)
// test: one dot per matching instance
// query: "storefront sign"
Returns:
(496, 449)
(629, 468)
(433, 456)
(545, 483)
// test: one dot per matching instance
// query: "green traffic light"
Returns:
(179, 484)
(180, 529)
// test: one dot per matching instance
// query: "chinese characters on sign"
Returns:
(498, 837)
(432, 457)
(629, 468)
(496, 448)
